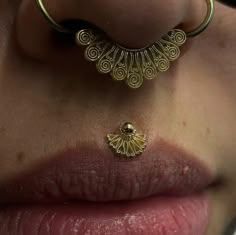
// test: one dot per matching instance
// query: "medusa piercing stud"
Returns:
(128, 143)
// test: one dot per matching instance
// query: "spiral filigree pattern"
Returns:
(106, 62)
(134, 80)
(149, 70)
(119, 72)
(85, 37)
(130, 65)
(104, 66)
(92, 53)
(171, 51)
(177, 37)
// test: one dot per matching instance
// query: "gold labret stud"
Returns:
(128, 143)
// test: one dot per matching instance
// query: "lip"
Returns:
(153, 216)
(94, 174)
(89, 191)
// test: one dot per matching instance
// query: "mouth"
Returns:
(88, 191)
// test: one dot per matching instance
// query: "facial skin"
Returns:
(50, 97)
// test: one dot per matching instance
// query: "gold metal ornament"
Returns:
(131, 65)
(128, 143)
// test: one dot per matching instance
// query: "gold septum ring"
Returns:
(131, 65)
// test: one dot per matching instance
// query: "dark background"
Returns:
(231, 3)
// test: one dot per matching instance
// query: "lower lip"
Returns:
(158, 215)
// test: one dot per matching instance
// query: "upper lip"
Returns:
(91, 174)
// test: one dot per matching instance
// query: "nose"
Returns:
(132, 23)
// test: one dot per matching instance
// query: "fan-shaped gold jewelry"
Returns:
(132, 66)
(127, 143)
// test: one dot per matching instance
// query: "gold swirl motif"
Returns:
(120, 70)
(128, 144)
(161, 61)
(85, 37)
(148, 67)
(106, 62)
(135, 76)
(178, 37)
(134, 80)
(127, 64)
(94, 51)
(163, 65)
(171, 51)
(104, 66)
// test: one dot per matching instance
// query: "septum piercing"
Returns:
(131, 65)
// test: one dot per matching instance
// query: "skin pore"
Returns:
(50, 97)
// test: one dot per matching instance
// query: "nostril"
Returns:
(76, 25)
(73, 27)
